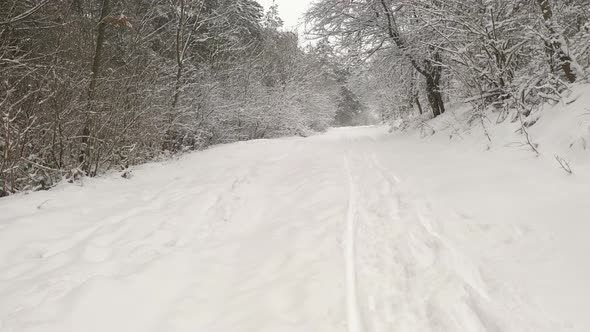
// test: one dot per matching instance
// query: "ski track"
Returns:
(408, 276)
(353, 315)
(247, 237)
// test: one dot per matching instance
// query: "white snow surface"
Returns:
(355, 230)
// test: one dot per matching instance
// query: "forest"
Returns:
(423, 56)
(294, 165)
(89, 86)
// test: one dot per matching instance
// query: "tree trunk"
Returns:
(432, 74)
(414, 90)
(171, 136)
(431, 71)
(434, 96)
(555, 46)
(96, 62)
(417, 101)
(179, 56)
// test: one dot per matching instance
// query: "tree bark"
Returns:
(171, 136)
(96, 64)
(555, 45)
(177, 87)
(433, 73)
(179, 55)
(434, 97)
(100, 37)
(417, 101)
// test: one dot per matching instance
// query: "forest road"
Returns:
(316, 234)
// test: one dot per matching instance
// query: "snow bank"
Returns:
(560, 129)
(517, 217)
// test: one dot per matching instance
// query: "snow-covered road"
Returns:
(356, 230)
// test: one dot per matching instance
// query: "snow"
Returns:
(353, 314)
(354, 230)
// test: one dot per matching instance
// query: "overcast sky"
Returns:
(291, 11)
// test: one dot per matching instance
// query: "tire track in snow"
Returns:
(353, 316)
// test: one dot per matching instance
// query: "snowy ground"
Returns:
(355, 230)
